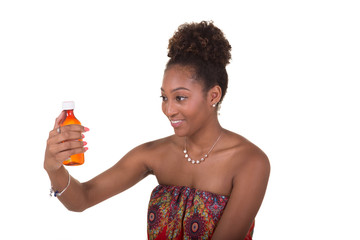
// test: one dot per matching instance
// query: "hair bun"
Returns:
(202, 41)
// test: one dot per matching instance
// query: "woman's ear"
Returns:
(215, 95)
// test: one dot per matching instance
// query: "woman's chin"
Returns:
(180, 133)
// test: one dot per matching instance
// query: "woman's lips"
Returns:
(176, 123)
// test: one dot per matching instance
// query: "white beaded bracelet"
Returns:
(57, 193)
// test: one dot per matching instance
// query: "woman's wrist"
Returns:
(52, 168)
(57, 193)
(59, 179)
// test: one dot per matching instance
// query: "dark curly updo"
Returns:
(204, 48)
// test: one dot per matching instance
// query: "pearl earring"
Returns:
(214, 105)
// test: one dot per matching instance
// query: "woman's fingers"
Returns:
(64, 150)
(66, 141)
(60, 119)
(69, 145)
(68, 136)
(60, 131)
(64, 155)
(63, 142)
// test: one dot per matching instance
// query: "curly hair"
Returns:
(203, 47)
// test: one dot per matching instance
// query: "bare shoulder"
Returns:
(153, 152)
(245, 155)
(155, 145)
(250, 168)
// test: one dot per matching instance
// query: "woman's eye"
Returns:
(177, 98)
(180, 98)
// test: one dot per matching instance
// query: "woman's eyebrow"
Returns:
(176, 89)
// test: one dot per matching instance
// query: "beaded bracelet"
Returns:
(57, 193)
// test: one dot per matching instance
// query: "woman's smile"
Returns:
(176, 123)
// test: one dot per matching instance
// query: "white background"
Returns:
(293, 92)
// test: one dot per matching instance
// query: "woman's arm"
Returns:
(80, 196)
(249, 186)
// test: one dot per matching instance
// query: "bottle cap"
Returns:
(68, 105)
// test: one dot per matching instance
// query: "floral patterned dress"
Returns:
(185, 213)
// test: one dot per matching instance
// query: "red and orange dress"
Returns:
(185, 213)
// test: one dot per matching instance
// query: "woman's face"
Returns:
(184, 102)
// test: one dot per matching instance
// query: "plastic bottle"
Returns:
(76, 159)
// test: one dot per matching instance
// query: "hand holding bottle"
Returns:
(65, 144)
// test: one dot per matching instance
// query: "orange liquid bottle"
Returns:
(76, 159)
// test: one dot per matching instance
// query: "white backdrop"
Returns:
(293, 91)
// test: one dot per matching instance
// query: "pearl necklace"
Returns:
(187, 156)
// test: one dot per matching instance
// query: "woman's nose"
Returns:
(170, 109)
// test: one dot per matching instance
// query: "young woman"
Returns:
(211, 181)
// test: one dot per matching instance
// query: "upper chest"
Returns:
(215, 174)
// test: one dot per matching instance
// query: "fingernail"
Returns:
(84, 143)
(85, 149)
(82, 135)
(86, 129)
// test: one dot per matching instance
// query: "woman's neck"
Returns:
(204, 138)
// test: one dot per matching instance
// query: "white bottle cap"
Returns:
(68, 105)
